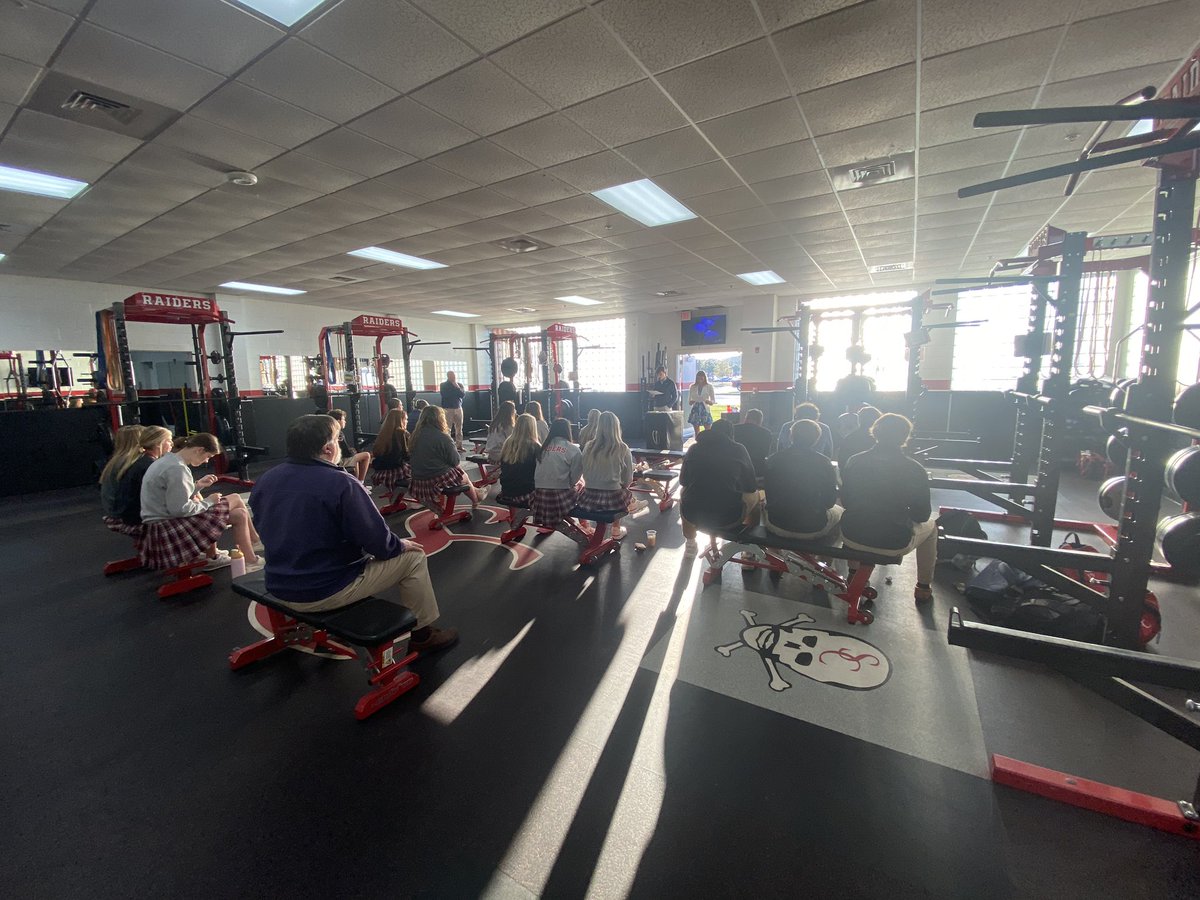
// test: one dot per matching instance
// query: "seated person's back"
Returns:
(756, 439)
(715, 475)
(885, 493)
(518, 459)
(860, 438)
(800, 484)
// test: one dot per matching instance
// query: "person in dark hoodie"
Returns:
(801, 488)
(330, 545)
(717, 483)
(860, 438)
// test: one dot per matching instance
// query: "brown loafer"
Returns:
(439, 639)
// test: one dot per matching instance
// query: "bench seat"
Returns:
(763, 538)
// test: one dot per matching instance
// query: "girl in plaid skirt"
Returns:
(607, 472)
(435, 461)
(391, 452)
(126, 451)
(518, 462)
(556, 476)
(182, 526)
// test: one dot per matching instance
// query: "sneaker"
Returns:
(368, 489)
(439, 639)
(618, 532)
(690, 548)
(922, 593)
(220, 561)
(258, 566)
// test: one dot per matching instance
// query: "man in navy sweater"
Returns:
(332, 547)
(452, 404)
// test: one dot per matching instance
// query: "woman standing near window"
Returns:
(700, 398)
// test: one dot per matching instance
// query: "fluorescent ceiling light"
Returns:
(24, 182)
(396, 259)
(450, 312)
(2, 256)
(645, 201)
(285, 12)
(580, 301)
(261, 288)
(767, 277)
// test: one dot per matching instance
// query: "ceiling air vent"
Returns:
(522, 243)
(66, 97)
(521, 309)
(667, 293)
(346, 279)
(870, 172)
(88, 102)
(890, 267)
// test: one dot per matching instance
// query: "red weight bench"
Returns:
(374, 630)
(661, 483)
(594, 541)
(489, 472)
(518, 515)
(179, 580)
(447, 514)
(396, 496)
(757, 548)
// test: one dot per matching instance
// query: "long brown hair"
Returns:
(534, 409)
(433, 418)
(506, 418)
(392, 433)
(127, 447)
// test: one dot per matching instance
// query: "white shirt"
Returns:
(701, 393)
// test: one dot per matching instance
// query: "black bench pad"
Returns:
(508, 501)
(456, 489)
(479, 459)
(667, 475)
(763, 538)
(596, 515)
(367, 623)
(660, 454)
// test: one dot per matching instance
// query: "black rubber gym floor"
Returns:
(584, 739)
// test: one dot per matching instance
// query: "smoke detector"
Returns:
(242, 179)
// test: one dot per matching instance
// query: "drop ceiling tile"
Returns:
(697, 180)
(242, 108)
(308, 172)
(229, 149)
(31, 33)
(52, 131)
(548, 140)
(600, 170)
(427, 181)
(1105, 88)
(354, 152)
(574, 209)
(861, 101)
(1127, 39)
(670, 33)
(868, 142)
(483, 98)
(482, 162)
(630, 113)
(535, 188)
(777, 162)
(380, 195)
(134, 68)
(493, 23)
(16, 78)
(986, 70)
(724, 201)
(728, 82)
(210, 33)
(483, 203)
(794, 187)
(408, 126)
(668, 152)
(7, 111)
(389, 40)
(313, 80)
(948, 124)
(66, 161)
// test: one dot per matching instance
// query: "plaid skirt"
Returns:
(120, 526)
(606, 501)
(389, 478)
(429, 490)
(172, 542)
(521, 501)
(551, 505)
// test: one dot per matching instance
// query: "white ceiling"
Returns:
(435, 127)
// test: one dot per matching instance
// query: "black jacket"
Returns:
(801, 488)
(855, 442)
(884, 493)
(506, 390)
(757, 441)
(128, 505)
(715, 473)
(517, 478)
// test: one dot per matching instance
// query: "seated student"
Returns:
(886, 497)
(156, 441)
(435, 462)
(756, 439)
(607, 472)
(182, 526)
(391, 452)
(717, 484)
(556, 477)
(418, 406)
(518, 462)
(330, 547)
(356, 463)
(860, 438)
(801, 488)
(543, 427)
(126, 450)
(808, 411)
(499, 430)
(588, 431)
(393, 403)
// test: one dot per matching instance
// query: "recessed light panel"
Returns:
(457, 315)
(285, 12)
(579, 301)
(261, 288)
(646, 202)
(39, 183)
(767, 277)
(396, 259)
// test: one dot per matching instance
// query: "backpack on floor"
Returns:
(1010, 598)
(960, 523)
(1151, 623)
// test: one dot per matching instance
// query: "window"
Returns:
(984, 357)
(882, 333)
(1137, 316)
(1189, 350)
(1097, 303)
(834, 334)
(603, 368)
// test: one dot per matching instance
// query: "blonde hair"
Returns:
(432, 418)
(127, 447)
(588, 431)
(606, 446)
(523, 442)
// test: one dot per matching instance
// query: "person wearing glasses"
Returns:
(181, 525)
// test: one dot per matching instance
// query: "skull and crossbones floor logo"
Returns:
(826, 656)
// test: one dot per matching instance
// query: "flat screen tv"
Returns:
(701, 329)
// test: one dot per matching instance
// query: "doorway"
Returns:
(724, 371)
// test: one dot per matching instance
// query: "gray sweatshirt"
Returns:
(433, 453)
(167, 490)
(560, 466)
(609, 475)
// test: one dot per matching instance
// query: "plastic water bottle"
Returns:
(237, 563)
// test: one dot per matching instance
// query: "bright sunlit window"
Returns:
(984, 358)
(834, 334)
(881, 337)
(602, 369)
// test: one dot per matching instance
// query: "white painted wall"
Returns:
(53, 313)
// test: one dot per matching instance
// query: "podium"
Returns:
(664, 430)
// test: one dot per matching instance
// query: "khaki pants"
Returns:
(409, 571)
(454, 419)
(833, 519)
(924, 541)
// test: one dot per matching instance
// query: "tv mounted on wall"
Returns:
(702, 329)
